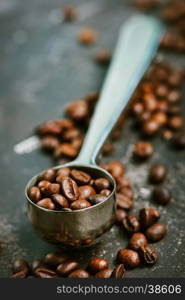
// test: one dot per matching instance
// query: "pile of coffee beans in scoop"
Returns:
(69, 189)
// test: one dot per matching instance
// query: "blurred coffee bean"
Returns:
(37, 263)
(63, 172)
(167, 134)
(118, 272)
(158, 173)
(150, 127)
(105, 192)
(67, 267)
(148, 255)
(98, 264)
(70, 13)
(103, 57)
(137, 240)
(161, 91)
(156, 232)
(97, 198)
(78, 110)
(131, 224)
(129, 258)
(48, 175)
(148, 216)
(175, 122)
(79, 273)
(80, 177)
(67, 150)
(55, 259)
(104, 273)
(162, 195)
(160, 118)
(120, 215)
(87, 36)
(123, 201)
(49, 143)
(20, 274)
(80, 204)
(116, 169)
(174, 96)
(143, 149)
(71, 134)
(150, 102)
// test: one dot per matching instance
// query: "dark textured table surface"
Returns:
(42, 68)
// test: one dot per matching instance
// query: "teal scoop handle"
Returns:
(137, 44)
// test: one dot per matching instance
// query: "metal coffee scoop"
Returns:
(137, 44)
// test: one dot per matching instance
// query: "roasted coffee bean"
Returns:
(175, 79)
(34, 194)
(49, 143)
(49, 128)
(60, 200)
(71, 134)
(80, 273)
(87, 36)
(174, 96)
(55, 259)
(67, 267)
(150, 102)
(123, 201)
(118, 272)
(78, 110)
(70, 189)
(98, 264)
(160, 117)
(129, 258)
(156, 232)
(116, 169)
(20, 274)
(162, 106)
(37, 263)
(103, 57)
(137, 108)
(179, 141)
(85, 191)
(80, 177)
(105, 192)
(21, 265)
(101, 183)
(120, 215)
(161, 91)
(148, 255)
(143, 149)
(67, 150)
(131, 224)
(123, 182)
(97, 198)
(45, 273)
(48, 175)
(145, 116)
(167, 134)
(46, 203)
(107, 148)
(63, 172)
(104, 273)
(162, 195)
(158, 173)
(137, 240)
(80, 204)
(70, 13)
(175, 122)
(148, 216)
(150, 127)
(43, 186)
(53, 188)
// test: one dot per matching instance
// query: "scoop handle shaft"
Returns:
(137, 44)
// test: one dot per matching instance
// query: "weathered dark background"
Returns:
(42, 68)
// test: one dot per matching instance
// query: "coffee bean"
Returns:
(174, 96)
(129, 258)
(101, 183)
(46, 203)
(162, 106)
(60, 200)
(143, 149)
(148, 216)
(80, 204)
(161, 195)
(150, 102)
(21, 265)
(118, 272)
(65, 149)
(85, 191)
(17, 275)
(150, 127)
(176, 122)
(67, 267)
(43, 186)
(137, 240)
(161, 91)
(156, 232)
(98, 264)
(175, 79)
(103, 57)
(34, 194)
(116, 169)
(55, 259)
(104, 273)
(131, 224)
(78, 110)
(127, 192)
(71, 134)
(80, 177)
(70, 189)
(49, 128)
(97, 198)
(37, 263)
(45, 273)
(160, 118)
(158, 173)
(63, 172)
(179, 141)
(123, 201)
(48, 175)
(49, 143)
(105, 192)
(80, 273)
(148, 255)
(120, 215)
(167, 134)
(137, 108)
(87, 36)
(70, 13)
